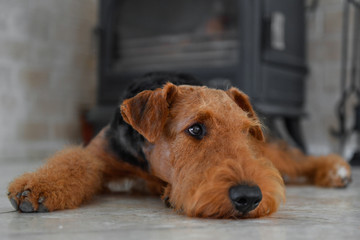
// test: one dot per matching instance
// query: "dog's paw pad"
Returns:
(42, 208)
(25, 193)
(26, 207)
(26, 202)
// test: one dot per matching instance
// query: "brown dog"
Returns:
(201, 149)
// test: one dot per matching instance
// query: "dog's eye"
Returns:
(197, 131)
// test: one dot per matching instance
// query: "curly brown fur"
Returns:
(192, 172)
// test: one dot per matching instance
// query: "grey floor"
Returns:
(309, 213)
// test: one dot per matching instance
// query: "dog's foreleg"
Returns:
(325, 171)
(68, 179)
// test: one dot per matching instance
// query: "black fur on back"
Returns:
(124, 141)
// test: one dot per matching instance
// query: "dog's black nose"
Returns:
(245, 197)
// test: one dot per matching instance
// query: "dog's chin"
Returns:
(221, 208)
(210, 198)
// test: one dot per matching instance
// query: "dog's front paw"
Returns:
(24, 202)
(332, 171)
(27, 195)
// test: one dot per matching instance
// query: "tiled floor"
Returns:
(309, 213)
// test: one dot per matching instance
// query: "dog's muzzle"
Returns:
(245, 197)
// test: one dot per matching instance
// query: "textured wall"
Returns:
(47, 74)
(323, 85)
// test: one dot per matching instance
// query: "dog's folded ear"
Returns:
(147, 112)
(242, 100)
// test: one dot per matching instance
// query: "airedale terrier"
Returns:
(203, 150)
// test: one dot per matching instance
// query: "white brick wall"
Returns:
(47, 74)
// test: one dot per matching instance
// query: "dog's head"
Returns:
(206, 144)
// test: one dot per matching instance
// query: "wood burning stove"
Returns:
(255, 45)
